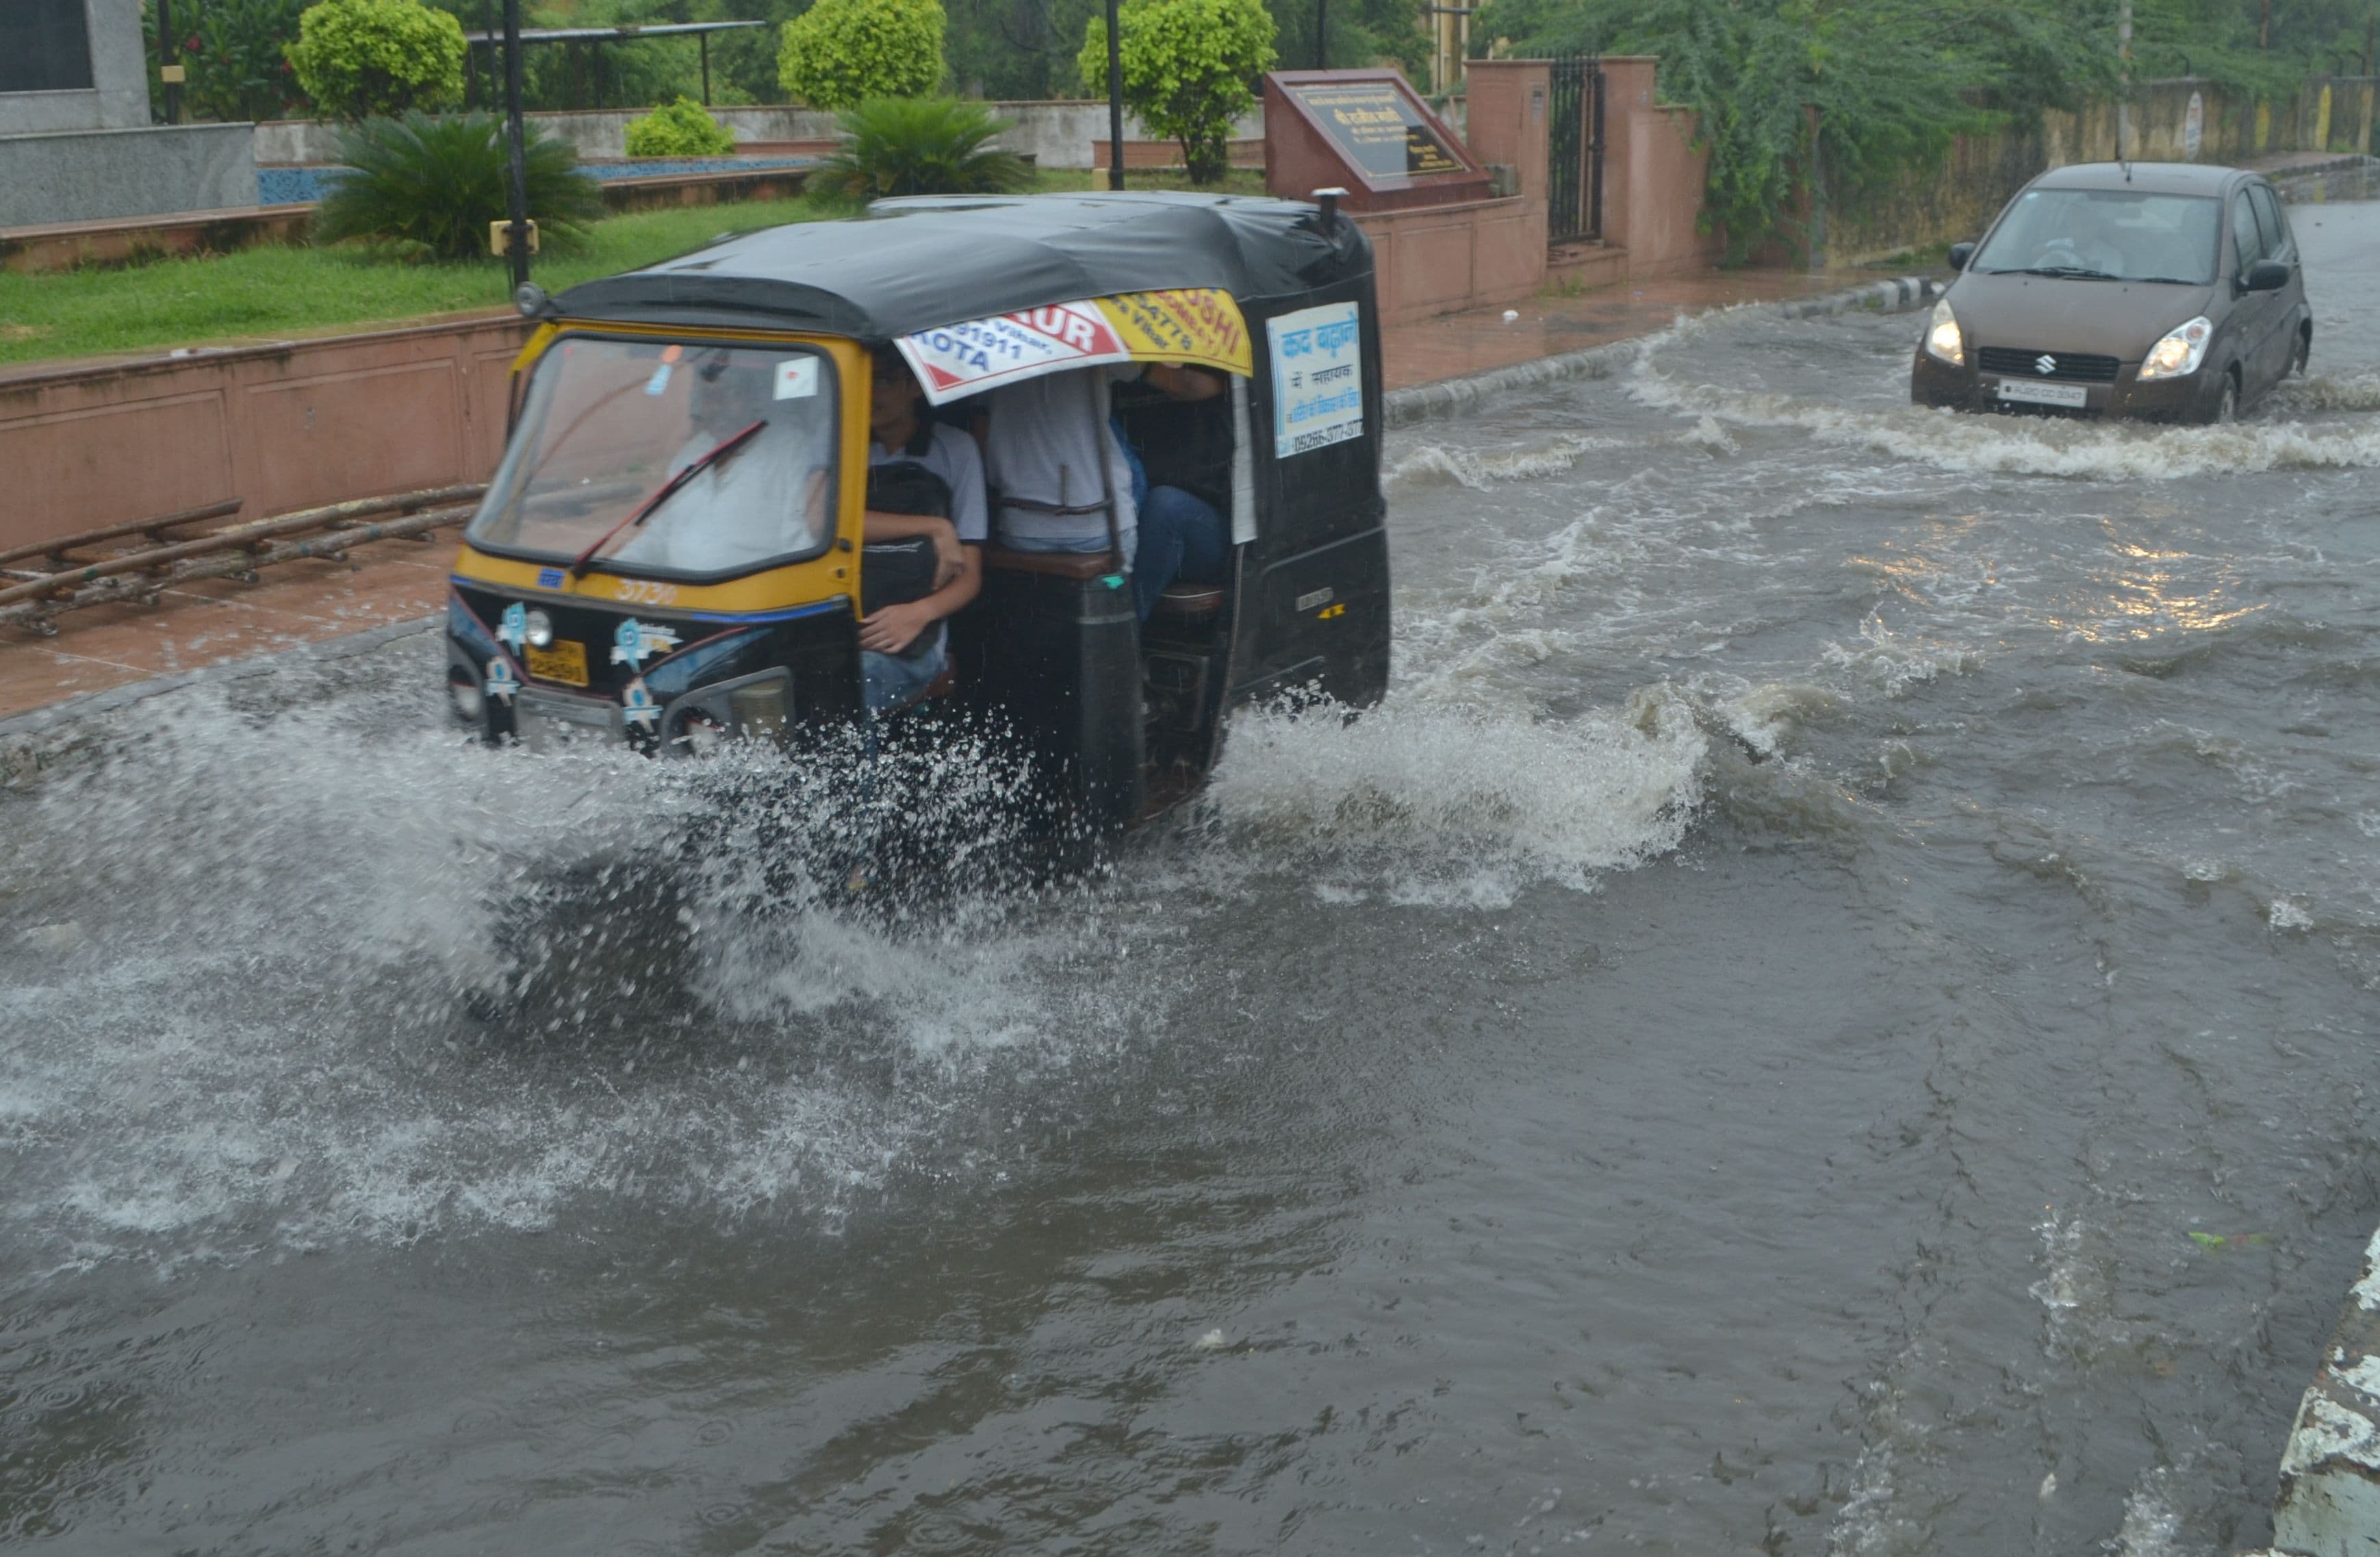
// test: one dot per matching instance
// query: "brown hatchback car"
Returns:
(2143, 290)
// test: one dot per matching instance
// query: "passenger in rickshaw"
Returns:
(1068, 483)
(924, 529)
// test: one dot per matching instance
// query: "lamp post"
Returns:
(1115, 97)
(1322, 34)
(515, 152)
(169, 67)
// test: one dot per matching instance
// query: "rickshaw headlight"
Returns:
(759, 708)
(540, 629)
(470, 702)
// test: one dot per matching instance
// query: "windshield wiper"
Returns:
(2167, 280)
(2063, 273)
(717, 452)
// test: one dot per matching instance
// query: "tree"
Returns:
(361, 58)
(1189, 71)
(1863, 89)
(841, 53)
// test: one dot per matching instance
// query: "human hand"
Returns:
(950, 559)
(894, 628)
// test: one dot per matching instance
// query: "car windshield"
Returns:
(607, 423)
(2111, 233)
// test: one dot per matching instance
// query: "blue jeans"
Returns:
(893, 681)
(1181, 537)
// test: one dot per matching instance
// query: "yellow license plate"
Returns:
(564, 662)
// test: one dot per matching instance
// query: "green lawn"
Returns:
(284, 291)
(288, 291)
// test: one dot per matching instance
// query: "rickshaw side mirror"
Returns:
(1328, 201)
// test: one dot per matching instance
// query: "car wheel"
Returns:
(2227, 404)
(2304, 352)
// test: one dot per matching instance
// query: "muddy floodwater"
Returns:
(1832, 1011)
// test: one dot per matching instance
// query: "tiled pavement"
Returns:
(211, 621)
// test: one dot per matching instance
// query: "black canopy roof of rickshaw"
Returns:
(918, 264)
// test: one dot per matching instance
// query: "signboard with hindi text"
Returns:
(1317, 378)
(1368, 132)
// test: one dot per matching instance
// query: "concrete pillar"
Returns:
(1508, 109)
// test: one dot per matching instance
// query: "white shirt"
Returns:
(950, 455)
(1047, 437)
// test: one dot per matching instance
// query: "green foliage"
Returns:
(1860, 90)
(919, 146)
(840, 54)
(358, 58)
(679, 129)
(1189, 69)
(424, 188)
(233, 51)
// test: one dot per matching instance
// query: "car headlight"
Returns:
(1942, 338)
(2180, 352)
(539, 629)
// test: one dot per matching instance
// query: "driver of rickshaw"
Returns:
(902, 643)
(766, 498)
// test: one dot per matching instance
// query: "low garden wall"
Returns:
(282, 426)
(84, 175)
(1955, 201)
(1057, 133)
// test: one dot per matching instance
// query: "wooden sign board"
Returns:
(1365, 131)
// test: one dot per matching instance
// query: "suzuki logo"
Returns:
(2045, 363)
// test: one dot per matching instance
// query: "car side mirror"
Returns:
(1960, 254)
(2265, 275)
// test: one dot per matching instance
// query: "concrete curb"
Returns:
(2330, 1498)
(1427, 402)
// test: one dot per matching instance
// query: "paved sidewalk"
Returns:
(216, 620)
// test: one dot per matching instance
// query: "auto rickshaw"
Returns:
(593, 599)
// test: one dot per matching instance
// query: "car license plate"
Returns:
(2073, 396)
(564, 662)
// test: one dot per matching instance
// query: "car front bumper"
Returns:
(1935, 383)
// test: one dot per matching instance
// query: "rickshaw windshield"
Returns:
(606, 425)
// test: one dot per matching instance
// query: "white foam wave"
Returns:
(1461, 807)
(2029, 446)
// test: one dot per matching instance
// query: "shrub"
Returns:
(1189, 68)
(919, 146)
(426, 188)
(361, 58)
(679, 129)
(233, 51)
(839, 53)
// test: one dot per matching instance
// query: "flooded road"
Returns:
(1831, 1012)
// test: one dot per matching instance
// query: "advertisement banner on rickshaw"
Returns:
(1199, 325)
(1317, 378)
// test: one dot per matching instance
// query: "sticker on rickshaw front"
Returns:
(634, 642)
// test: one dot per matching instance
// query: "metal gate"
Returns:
(1574, 166)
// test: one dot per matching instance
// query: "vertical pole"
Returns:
(168, 56)
(704, 40)
(515, 152)
(1818, 193)
(1322, 34)
(1115, 97)
(2123, 77)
